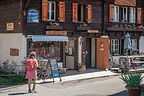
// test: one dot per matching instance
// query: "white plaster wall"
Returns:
(141, 44)
(93, 52)
(13, 40)
(79, 50)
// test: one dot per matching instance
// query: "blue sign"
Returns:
(33, 16)
(56, 74)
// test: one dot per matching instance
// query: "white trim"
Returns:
(134, 44)
(125, 15)
(116, 14)
(113, 44)
(132, 15)
(50, 11)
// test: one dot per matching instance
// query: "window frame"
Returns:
(82, 13)
(50, 10)
(132, 15)
(124, 14)
(113, 45)
(133, 49)
(116, 14)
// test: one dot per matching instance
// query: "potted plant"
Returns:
(83, 26)
(81, 67)
(135, 52)
(116, 53)
(52, 26)
(133, 83)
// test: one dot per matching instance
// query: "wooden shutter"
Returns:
(89, 13)
(75, 12)
(62, 11)
(111, 13)
(139, 15)
(44, 10)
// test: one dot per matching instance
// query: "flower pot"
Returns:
(133, 91)
(134, 52)
(115, 54)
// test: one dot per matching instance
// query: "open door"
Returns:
(88, 48)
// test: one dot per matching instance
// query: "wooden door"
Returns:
(102, 53)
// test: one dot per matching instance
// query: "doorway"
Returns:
(88, 48)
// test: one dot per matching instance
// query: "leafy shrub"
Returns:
(13, 79)
(132, 80)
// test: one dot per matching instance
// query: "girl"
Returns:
(31, 74)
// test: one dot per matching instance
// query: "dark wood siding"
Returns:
(68, 25)
(10, 12)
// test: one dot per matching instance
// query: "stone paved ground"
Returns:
(104, 86)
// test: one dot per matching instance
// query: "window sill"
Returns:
(83, 28)
(54, 27)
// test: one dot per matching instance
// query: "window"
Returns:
(132, 15)
(51, 11)
(114, 45)
(134, 44)
(80, 13)
(116, 13)
(46, 49)
(124, 14)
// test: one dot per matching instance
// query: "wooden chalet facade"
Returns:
(123, 16)
(88, 25)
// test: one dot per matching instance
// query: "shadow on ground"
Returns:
(122, 93)
(6, 86)
(74, 72)
(89, 95)
(17, 94)
(44, 82)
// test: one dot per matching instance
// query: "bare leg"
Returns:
(29, 85)
(34, 84)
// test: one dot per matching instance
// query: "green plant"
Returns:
(132, 80)
(13, 79)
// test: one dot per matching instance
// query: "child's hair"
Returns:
(32, 54)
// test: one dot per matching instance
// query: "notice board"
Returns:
(54, 68)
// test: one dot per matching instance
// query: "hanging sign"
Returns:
(33, 16)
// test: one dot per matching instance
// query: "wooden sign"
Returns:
(10, 26)
(14, 52)
(56, 33)
(92, 31)
(126, 2)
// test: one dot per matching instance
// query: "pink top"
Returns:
(31, 74)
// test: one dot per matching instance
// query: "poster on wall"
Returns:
(33, 16)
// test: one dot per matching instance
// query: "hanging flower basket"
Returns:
(54, 26)
(83, 26)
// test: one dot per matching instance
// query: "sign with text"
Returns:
(56, 33)
(54, 68)
(33, 16)
(10, 26)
